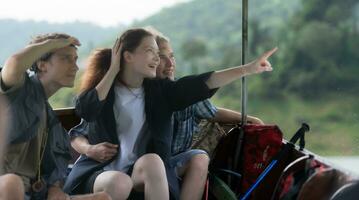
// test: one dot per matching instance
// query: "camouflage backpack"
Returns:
(208, 136)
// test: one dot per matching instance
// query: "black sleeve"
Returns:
(88, 105)
(188, 90)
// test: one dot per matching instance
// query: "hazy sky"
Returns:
(101, 12)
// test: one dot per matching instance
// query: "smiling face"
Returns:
(167, 66)
(145, 59)
(61, 67)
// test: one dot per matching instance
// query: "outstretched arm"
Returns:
(17, 64)
(224, 115)
(224, 77)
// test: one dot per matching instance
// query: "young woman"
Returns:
(129, 114)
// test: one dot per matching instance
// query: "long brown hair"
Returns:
(100, 60)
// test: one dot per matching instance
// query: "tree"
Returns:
(192, 50)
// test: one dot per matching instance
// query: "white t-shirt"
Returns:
(129, 111)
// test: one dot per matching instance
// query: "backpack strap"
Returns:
(295, 166)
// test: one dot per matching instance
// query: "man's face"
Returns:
(166, 68)
(61, 68)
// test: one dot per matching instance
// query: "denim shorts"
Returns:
(181, 159)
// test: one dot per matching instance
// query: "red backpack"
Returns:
(257, 147)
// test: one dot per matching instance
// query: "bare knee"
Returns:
(149, 175)
(117, 184)
(11, 182)
(199, 163)
(152, 162)
(12, 186)
(151, 165)
(152, 159)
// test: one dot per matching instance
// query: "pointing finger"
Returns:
(267, 54)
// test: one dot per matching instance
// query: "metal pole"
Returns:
(244, 55)
(238, 150)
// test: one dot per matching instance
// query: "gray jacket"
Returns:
(26, 105)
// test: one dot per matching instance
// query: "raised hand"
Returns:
(226, 76)
(116, 56)
(105, 84)
(102, 152)
(62, 42)
(51, 45)
(261, 64)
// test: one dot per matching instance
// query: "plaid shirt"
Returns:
(185, 123)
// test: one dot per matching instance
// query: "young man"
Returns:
(37, 144)
(191, 164)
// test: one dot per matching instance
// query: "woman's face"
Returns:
(145, 59)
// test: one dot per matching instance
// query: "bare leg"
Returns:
(194, 175)
(11, 187)
(117, 184)
(95, 196)
(149, 175)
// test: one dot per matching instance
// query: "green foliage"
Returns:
(192, 50)
(63, 98)
(334, 122)
(66, 97)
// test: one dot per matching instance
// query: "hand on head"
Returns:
(73, 41)
(116, 55)
(64, 42)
